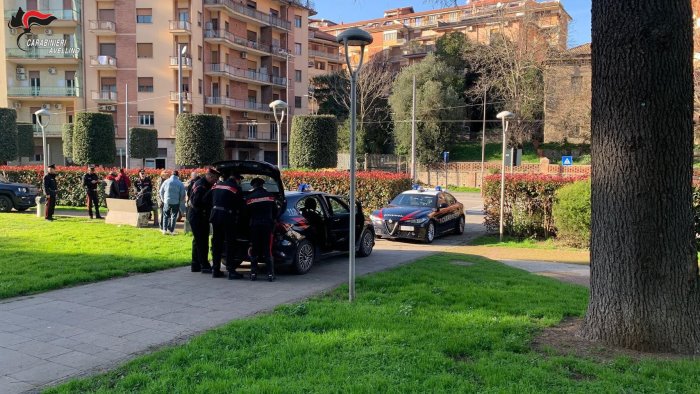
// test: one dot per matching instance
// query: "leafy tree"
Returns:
(25, 141)
(143, 143)
(325, 88)
(313, 142)
(199, 139)
(67, 139)
(8, 134)
(439, 109)
(93, 139)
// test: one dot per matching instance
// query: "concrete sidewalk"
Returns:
(573, 273)
(77, 331)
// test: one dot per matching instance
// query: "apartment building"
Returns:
(406, 36)
(238, 57)
(324, 57)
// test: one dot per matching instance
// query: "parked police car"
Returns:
(311, 225)
(420, 214)
(16, 195)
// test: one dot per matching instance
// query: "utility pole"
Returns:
(414, 174)
(126, 124)
(483, 145)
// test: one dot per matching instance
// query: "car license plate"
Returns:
(406, 228)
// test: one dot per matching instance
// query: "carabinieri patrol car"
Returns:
(420, 214)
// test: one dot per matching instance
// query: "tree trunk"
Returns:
(645, 293)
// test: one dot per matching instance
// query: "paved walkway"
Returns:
(66, 333)
(572, 273)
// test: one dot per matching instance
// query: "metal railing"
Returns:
(103, 61)
(61, 14)
(418, 50)
(41, 53)
(241, 9)
(324, 54)
(180, 25)
(186, 61)
(228, 36)
(102, 25)
(104, 96)
(52, 129)
(43, 91)
(186, 96)
(254, 132)
(238, 104)
(247, 74)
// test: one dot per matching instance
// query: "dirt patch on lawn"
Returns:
(462, 263)
(563, 340)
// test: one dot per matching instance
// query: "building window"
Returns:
(418, 21)
(146, 85)
(297, 101)
(144, 15)
(200, 50)
(320, 66)
(147, 119)
(297, 75)
(199, 19)
(297, 21)
(297, 48)
(144, 50)
(390, 36)
(200, 85)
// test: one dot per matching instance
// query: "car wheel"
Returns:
(304, 257)
(366, 244)
(5, 204)
(459, 230)
(430, 233)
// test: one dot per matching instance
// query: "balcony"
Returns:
(104, 97)
(52, 56)
(243, 105)
(181, 28)
(335, 57)
(186, 97)
(66, 18)
(51, 130)
(186, 62)
(103, 28)
(418, 50)
(103, 62)
(241, 75)
(253, 132)
(41, 92)
(242, 44)
(247, 13)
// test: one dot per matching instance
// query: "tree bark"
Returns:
(645, 292)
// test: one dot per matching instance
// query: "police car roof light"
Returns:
(304, 187)
(416, 187)
(438, 188)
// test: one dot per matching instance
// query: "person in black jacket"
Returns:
(227, 202)
(50, 191)
(262, 209)
(198, 212)
(90, 183)
(144, 192)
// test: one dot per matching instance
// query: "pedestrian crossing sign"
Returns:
(567, 161)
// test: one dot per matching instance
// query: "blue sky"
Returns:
(354, 10)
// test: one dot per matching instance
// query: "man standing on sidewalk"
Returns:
(172, 193)
(90, 182)
(50, 191)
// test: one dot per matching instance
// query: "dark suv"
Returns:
(311, 225)
(16, 195)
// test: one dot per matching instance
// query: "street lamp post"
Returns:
(180, 54)
(353, 38)
(281, 106)
(504, 116)
(42, 118)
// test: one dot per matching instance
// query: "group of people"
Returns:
(212, 202)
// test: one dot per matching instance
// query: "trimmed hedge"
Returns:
(67, 137)
(199, 139)
(527, 204)
(25, 140)
(572, 214)
(314, 142)
(143, 143)
(374, 189)
(93, 139)
(8, 134)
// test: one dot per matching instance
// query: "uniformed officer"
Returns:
(144, 192)
(263, 211)
(198, 212)
(50, 191)
(227, 201)
(90, 183)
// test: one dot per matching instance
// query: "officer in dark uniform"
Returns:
(262, 209)
(90, 183)
(50, 191)
(144, 192)
(227, 201)
(198, 212)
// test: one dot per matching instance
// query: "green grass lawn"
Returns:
(431, 326)
(464, 189)
(36, 255)
(471, 151)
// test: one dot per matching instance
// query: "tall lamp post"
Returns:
(42, 118)
(353, 38)
(281, 106)
(504, 116)
(180, 55)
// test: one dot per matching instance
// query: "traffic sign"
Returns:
(446, 156)
(567, 161)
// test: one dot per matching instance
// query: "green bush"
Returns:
(67, 137)
(572, 213)
(25, 140)
(93, 139)
(143, 143)
(8, 134)
(528, 201)
(314, 142)
(199, 139)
